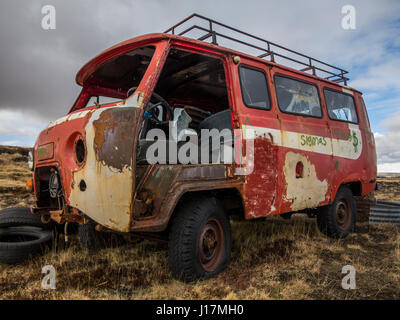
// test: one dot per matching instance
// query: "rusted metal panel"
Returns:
(162, 185)
(203, 172)
(154, 189)
(114, 135)
(108, 173)
(162, 213)
(260, 190)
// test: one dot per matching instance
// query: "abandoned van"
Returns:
(171, 135)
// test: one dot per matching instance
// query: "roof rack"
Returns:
(265, 48)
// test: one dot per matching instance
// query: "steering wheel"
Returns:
(151, 108)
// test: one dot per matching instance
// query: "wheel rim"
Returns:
(343, 214)
(211, 245)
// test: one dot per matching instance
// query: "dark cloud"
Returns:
(38, 67)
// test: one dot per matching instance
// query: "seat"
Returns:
(221, 120)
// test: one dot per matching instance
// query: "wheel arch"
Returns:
(354, 186)
(230, 198)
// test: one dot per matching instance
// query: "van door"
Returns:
(305, 151)
(255, 116)
(347, 140)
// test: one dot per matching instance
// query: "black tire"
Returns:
(94, 240)
(90, 238)
(21, 243)
(21, 216)
(188, 257)
(338, 219)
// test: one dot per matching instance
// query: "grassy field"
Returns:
(271, 259)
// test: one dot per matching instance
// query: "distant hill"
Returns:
(14, 150)
(388, 175)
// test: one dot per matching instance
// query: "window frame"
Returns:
(245, 66)
(347, 94)
(303, 81)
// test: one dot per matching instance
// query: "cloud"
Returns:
(382, 76)
(389, 167)
(19, 127)
(387, 145)
(38, 67)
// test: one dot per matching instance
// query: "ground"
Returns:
(271, 259)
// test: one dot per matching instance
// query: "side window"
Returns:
(297, 97)
(340, 106)
(254, 88)
(364, 110)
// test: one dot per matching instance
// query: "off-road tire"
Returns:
(90, 238)
(193, 221)
(94, 240)
(21, 216)
(15, 249)
(338, 219)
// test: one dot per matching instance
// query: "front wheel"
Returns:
(338, 219)
(199, 240)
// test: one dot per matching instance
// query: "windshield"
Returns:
(123, 72)
(110, 82)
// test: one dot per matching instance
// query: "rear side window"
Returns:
(340, 106)
(364, 109)
(254, 88)
(297, 97)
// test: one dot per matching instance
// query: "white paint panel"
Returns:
(349, 149)
(108, 195)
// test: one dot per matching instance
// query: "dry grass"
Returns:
(271, 259)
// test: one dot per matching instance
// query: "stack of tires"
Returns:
(22, 235)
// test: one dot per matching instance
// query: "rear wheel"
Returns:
(199, 240)
(338, 219)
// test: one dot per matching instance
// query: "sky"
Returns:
(38, 67)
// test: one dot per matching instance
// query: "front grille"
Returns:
(45, 191)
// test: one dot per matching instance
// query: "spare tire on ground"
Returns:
(21, 243)
(21, 216)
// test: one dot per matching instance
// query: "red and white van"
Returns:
(312, 146)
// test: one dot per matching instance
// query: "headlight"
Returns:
(30, 160)
(54, 185)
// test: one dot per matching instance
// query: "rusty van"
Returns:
(313, 149)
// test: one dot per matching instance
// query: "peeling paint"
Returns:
(305, 192)
(113, 137)
(107, 198)
(72, 116)
(261, 186)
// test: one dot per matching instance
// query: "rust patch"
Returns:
(203, 172)
(113, 141)
(158, 185)
(260, 188)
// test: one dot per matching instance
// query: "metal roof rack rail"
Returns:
(267, 49)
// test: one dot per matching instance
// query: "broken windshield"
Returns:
(110, 81)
